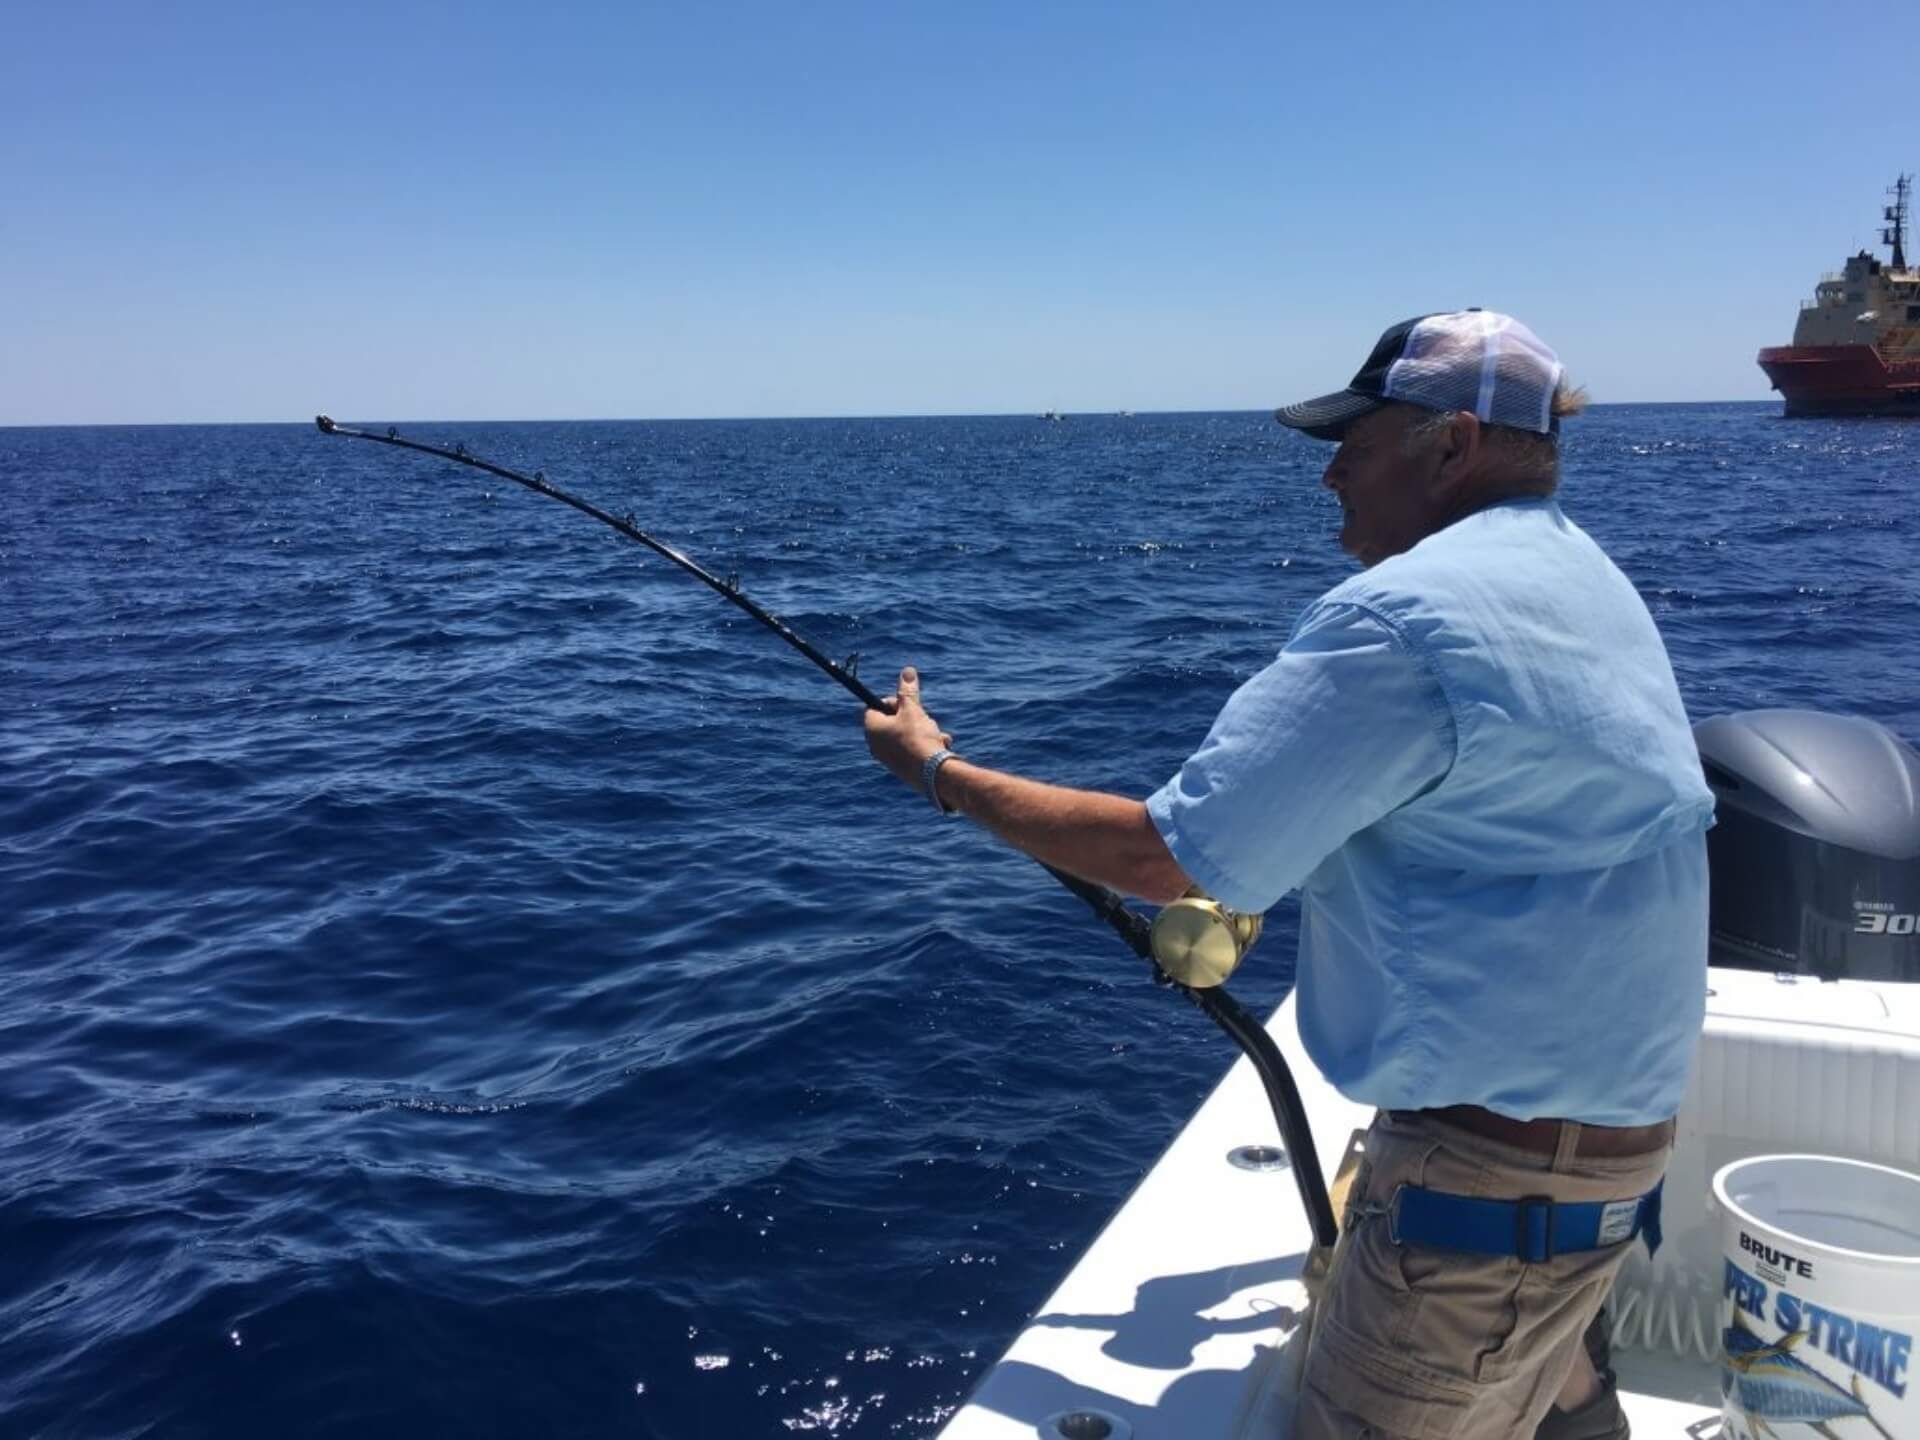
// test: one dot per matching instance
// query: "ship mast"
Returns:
(1895, 232)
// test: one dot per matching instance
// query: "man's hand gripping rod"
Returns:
(1282, 1094)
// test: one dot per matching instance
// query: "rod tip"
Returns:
(325, 422)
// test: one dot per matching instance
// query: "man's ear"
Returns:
(1459, 451)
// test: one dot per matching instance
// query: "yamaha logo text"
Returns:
(1877, 917)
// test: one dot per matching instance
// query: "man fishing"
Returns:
(1472, 761)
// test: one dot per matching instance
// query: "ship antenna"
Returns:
(1895, 233)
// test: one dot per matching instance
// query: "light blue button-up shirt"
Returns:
(1473, 761)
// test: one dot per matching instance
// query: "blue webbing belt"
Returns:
(1533, 1229)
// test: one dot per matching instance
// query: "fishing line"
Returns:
(1133, 928)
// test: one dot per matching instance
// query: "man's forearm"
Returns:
(1105, 838)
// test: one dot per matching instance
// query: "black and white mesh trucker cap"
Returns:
(1477, 360)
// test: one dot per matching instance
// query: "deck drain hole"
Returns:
(1085, 1425)
(1258, 1157)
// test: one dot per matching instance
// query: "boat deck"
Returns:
(1180, 1320)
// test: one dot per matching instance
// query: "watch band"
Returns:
(929, 775)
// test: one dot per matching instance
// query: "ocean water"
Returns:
(459, 977)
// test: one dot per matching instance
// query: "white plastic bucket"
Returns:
(1820, 1298)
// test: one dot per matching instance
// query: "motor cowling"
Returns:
(1815, 853)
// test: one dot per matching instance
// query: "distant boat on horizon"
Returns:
(1856, 346)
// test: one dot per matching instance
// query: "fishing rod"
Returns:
(1192, 947)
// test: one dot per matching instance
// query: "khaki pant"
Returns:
(1413, 1343)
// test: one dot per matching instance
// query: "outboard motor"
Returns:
(1815, 856)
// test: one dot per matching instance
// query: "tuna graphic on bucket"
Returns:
(1769, 1384)
(1822, 1291)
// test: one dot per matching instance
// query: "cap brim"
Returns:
(1327, 418)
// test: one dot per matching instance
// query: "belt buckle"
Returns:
(1392, 1208)
(1522, 1232)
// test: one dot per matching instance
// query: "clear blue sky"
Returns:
(252, 212)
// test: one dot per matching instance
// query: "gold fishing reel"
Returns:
(1199, 942)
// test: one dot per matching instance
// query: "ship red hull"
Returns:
(1842, 380)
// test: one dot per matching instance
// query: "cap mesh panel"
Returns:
(1480, 361)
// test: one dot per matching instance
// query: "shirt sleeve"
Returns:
(1347, 725)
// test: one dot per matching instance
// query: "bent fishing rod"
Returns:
(1194, 943)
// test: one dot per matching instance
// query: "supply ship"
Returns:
(1856, 347)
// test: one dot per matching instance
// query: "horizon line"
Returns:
(761, 419)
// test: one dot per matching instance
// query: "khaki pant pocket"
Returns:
(1388, 1392)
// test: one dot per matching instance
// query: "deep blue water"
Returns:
(458, 977)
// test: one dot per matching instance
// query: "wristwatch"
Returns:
(929, 774)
